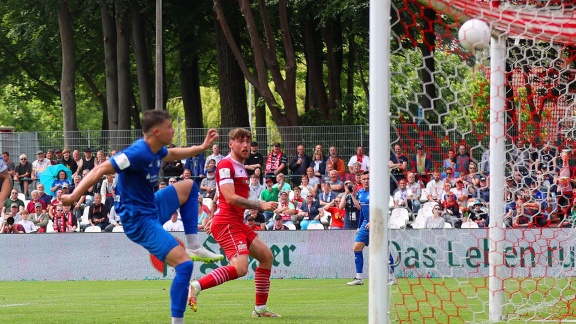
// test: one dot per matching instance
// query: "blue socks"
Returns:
(391, 264)
(179, 288)
(359, 260)
(189, 211)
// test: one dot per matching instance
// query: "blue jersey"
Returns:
(137, 169)
(363, 197)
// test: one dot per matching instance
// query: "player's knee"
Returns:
(241, 270)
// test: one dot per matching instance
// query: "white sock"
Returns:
(192, 242)
(260, 308)
(196, 285)
(177, 320)
(359, 276)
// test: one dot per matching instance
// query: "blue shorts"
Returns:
(363, 234)
(147, 230)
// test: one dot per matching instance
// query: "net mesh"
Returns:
(440, 124)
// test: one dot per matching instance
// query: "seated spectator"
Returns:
(42, 195)
(57, 201)
(337, 213)
(482, 192)
(22, 175)
(415, 186)
(64, 221)
(210, 165)
(113, 220)
(28, 225)
(278, 224)
(313, 181)
(435, 187)
(13, 199)
(421, 163)
(251, 222)
(335, 183)
(258, 217)
(285, 209)
(436, 220)
(297, 200)
(98, 213)
(354, 177)
(40, 218)
(338, 165)
(327, 195)
(9, 227)
(202, 214)
(281, 184)
(364, 160)
(255, 188)
(208, 184)
(305, 187)
(308, 213)
(108, 185)
(186, 175)
(461, 194)
(452, 213)
(14, 213)
(172, 181)
(276, 162)
(174, 224)
(450, 177)
(267, 195)
(479, 214)
(62, 178)
(403, 196)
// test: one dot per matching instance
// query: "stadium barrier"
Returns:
(297, 254)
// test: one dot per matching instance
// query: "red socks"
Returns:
(218, 276)
(262, 281)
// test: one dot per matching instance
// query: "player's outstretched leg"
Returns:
(189, 214)
(217, 277)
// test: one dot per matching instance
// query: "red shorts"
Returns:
(235, 239)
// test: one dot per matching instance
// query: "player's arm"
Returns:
(179, 153)
(88, 182)
(6, 186)
(227, 190)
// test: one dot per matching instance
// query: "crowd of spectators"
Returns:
(314, 189)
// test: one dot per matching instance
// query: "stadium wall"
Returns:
(297, 254)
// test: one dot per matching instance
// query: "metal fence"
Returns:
(346, 139)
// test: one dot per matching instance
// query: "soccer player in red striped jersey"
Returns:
(236, 238)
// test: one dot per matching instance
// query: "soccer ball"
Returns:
(474, 34)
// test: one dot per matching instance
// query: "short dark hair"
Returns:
(6, 153)
(152, 118)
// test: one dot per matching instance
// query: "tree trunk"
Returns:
(332, 33)
(316, 94)
(427, 72)
(123, 54)
(68, 80)
(145, 84)
(234, 108)
(109, 31)
(349, 116)
(190, 79)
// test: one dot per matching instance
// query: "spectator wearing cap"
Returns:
(208, 184)
(13, 212)
(61, 179)
(68, 161)
(361, 158)
(285, 210)
(50, 156)
(421, 163)
(479, 214)
(39, 165)
(87, 162)
(461, 194)
(58, 155)
(39, 217)
(254, 161)
(482, 191)
(276, 162)
(255, 188)
(255, 219)
(299, 164)
(216, 156)
(278, 224)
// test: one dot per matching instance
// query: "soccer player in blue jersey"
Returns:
(143, 212)
(362, 203)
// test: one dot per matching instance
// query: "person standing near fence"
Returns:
(143, 212)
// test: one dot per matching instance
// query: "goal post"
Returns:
(505, 113)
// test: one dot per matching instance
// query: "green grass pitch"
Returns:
(298, 300)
